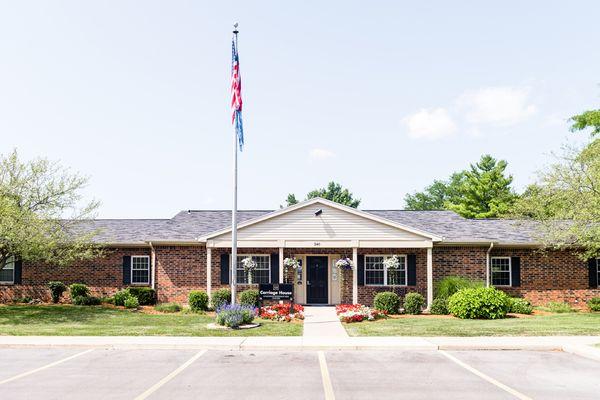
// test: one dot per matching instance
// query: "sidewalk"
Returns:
(571, 344)
(322, 322)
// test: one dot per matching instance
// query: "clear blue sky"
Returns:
(383, 97)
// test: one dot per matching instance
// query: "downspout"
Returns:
(487, 265)
(153, 265)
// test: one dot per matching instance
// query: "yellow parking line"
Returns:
(170, 376)
(327, 386)
(33, 371)
(483, 376)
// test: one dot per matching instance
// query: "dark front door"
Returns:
(316, 280)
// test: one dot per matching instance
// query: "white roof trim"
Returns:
(329, 203)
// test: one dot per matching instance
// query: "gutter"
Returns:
(487, 265)
(153, 264)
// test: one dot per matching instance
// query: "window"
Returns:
(140, 270)
(376, 272)
(7, 273)
(501, 271)
(262, 273)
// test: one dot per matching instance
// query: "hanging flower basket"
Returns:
(291, 262)
(344, 264)
(392, 262)
(249, 266)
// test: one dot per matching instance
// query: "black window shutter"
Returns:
(18, 272)
(593, 273)
(225, 268)
(360, 269)
(275, 268)
(126, 270)
(412, 270)
(515, 264)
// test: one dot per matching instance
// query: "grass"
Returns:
(68, 320)
(542, 325)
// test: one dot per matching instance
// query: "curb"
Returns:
(589, 352)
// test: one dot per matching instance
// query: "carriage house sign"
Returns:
(276, 291)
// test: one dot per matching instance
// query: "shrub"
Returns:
(388, 302)
(120, 297)
(221, 297)
(235, 315)
(168, 307)
(198, 300)
(79, 290)
(519, 306)
(249, 297)
(26, 299)
(107, 300)
(439, 306)
(86, 301)
(413, 303)
(146, 296)
(131, 302)
(452, 284)
(479, 303)
(557, 307)
(56, 290)
(594, 304)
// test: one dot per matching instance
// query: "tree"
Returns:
(39, 213)
(485, 191)
(588, 119)
(333, 191)
(566, 202)
(436, 195)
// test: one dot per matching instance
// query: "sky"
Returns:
(383, 97)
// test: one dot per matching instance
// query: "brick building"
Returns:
(192, 251)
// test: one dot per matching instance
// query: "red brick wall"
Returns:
(179, 269)
(463, 261)
(551, 276)
(104, 276)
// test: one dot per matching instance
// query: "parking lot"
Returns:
(76, 373)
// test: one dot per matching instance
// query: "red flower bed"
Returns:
(282, 312)
(357, 313)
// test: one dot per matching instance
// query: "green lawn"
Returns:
(67, 320)
(543, 325)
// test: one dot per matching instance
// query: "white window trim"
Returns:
(385, 270)
(131, 271)
(13, 273)
(252, 255)
(509, 271)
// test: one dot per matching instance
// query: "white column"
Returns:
(355, 275)
(429, 277)
(281, 265)
(209, 272)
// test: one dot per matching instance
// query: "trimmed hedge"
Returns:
(479, 303)
(249, 297)
(86, 301)
(198, 300)
(146, 296)
(594, 304)
(413, 303)
(439, 306)
(221, 297)
(388, 302)
(78, 290)
(518, 305)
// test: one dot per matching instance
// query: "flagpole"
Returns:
(234, 209)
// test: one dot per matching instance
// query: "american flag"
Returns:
(236, 93)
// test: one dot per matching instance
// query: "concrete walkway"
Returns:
(322, 322)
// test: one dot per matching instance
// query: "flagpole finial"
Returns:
(235, 28)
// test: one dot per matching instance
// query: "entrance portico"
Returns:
(318, 232)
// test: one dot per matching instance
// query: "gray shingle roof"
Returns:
(186, 226)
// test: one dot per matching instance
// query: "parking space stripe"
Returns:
(172, 375)
(327, 386)
(483, 376)
(33, 371)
